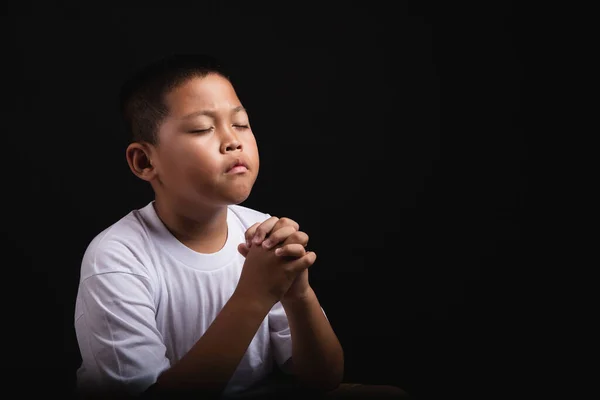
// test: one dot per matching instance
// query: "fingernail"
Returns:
(279, 251)
(267, 243)
(256, 240)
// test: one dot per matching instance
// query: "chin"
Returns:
(238, 198)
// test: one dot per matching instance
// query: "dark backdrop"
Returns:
(392, 137)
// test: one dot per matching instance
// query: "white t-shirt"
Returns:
(144, 299)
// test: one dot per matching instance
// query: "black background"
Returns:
(393, 137)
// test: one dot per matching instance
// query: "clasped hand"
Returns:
(282, 235)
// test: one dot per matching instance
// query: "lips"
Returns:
(237, 163)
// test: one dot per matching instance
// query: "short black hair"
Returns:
(141, 98)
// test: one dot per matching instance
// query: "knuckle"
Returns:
(261, 231)
(304, 237)
(288, 231)
(283, 235)
(275, 227)
(290, 222)
(267, 226)
(268, 222)
(310, 259)
(278, 226)
(275, 237)
(299, 236)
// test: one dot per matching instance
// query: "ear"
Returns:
(139, 158)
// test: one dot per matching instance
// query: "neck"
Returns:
(202, 230)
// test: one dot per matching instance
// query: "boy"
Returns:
(176, 297)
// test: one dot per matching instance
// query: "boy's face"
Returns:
(205, 132)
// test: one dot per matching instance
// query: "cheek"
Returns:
(201, 164)
(190, 160)
(252, 148)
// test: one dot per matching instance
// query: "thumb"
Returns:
(243, 250)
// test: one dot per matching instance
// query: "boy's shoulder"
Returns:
(113, 249)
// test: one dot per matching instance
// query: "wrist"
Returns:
(253, 303)
(306, 297)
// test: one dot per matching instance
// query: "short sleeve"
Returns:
(121, 347)
(279, 331)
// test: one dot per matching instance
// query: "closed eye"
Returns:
(210, 129)
(201, 130)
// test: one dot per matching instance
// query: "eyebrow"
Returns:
(211, 113)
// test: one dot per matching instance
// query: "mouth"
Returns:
(237, 166)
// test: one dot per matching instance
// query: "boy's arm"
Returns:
(317, 356)
(120, 339)
(211, 362)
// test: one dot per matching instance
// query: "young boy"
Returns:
(185, 295)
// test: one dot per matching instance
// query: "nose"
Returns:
(233, 145)
(230, 141)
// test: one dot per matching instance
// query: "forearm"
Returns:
(317, 356)
(211, 362)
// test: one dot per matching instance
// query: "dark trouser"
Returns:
(280, 387)
(285, 388)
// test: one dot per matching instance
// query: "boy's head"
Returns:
(187, 128)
